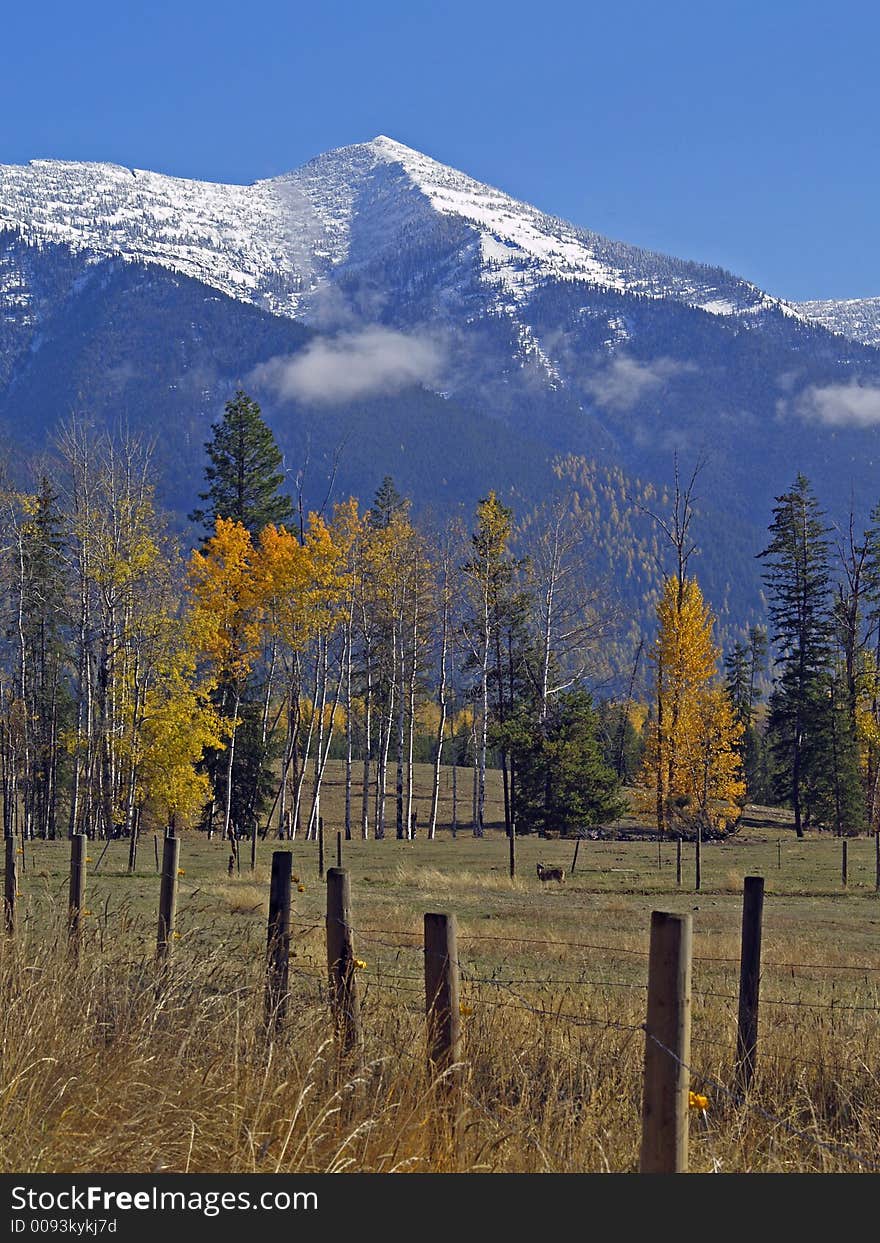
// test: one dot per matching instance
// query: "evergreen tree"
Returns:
(736, 664)
(386, 503)
(564, 783)
(621, 738)
(838, 796)
(244, 485)
(797, 575)
(847, 808)
(243, 475)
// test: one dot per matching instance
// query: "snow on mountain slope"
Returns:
(281, 243)
(856, 318)
(231, 237)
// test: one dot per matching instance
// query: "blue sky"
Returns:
(738, 133)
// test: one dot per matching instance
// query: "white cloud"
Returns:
(364, 363)
(625, 381)
(839, 405)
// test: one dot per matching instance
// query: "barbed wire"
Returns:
(557, 981)
(739, 1100)
(612, 949)
(788, 1058)
(413, 984)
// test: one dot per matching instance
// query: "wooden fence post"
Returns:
(511, 848)
(278, 938)
(339, 850)
(77, 891)
(659, 855)
(442, 993)
(167, 897)
(321, 846)
(156, 850)
(678, 861)
(779, 852)
(664, 1147)
(698, 857)
(10, 885)
(877, 860)
(341, 962)
(749, 981)
(843, 861)
(577, 847)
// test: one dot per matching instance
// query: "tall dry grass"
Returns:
(108, 1066)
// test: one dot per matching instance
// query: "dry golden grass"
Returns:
(242, 897)
(107, 1066)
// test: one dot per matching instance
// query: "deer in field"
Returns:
(551, 873)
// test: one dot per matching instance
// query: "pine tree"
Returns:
(243, 475)
(838, 795)
(847, 807)
(797, 575)
(565, 785)
(386, 504)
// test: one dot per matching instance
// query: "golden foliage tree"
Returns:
(691, 760)
(229, 591)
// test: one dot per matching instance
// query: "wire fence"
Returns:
(506, 987)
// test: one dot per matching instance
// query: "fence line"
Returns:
(619, 949)
(403, 983)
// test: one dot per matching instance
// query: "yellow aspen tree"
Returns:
(179, 725)
(712, 759)
(867, 717)
(350, 529)
(691, 753)
(330, 547)
(305, 586)
(229, 590)
(485, 575)
(287, 569)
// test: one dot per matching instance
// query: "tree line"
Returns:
(142, 684)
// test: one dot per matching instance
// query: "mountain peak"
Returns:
(279, 242)
(384, 143)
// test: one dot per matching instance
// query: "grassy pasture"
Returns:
(104, 1071)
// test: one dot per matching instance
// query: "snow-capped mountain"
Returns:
(280, 243)
(855, 318)
(393, 315)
